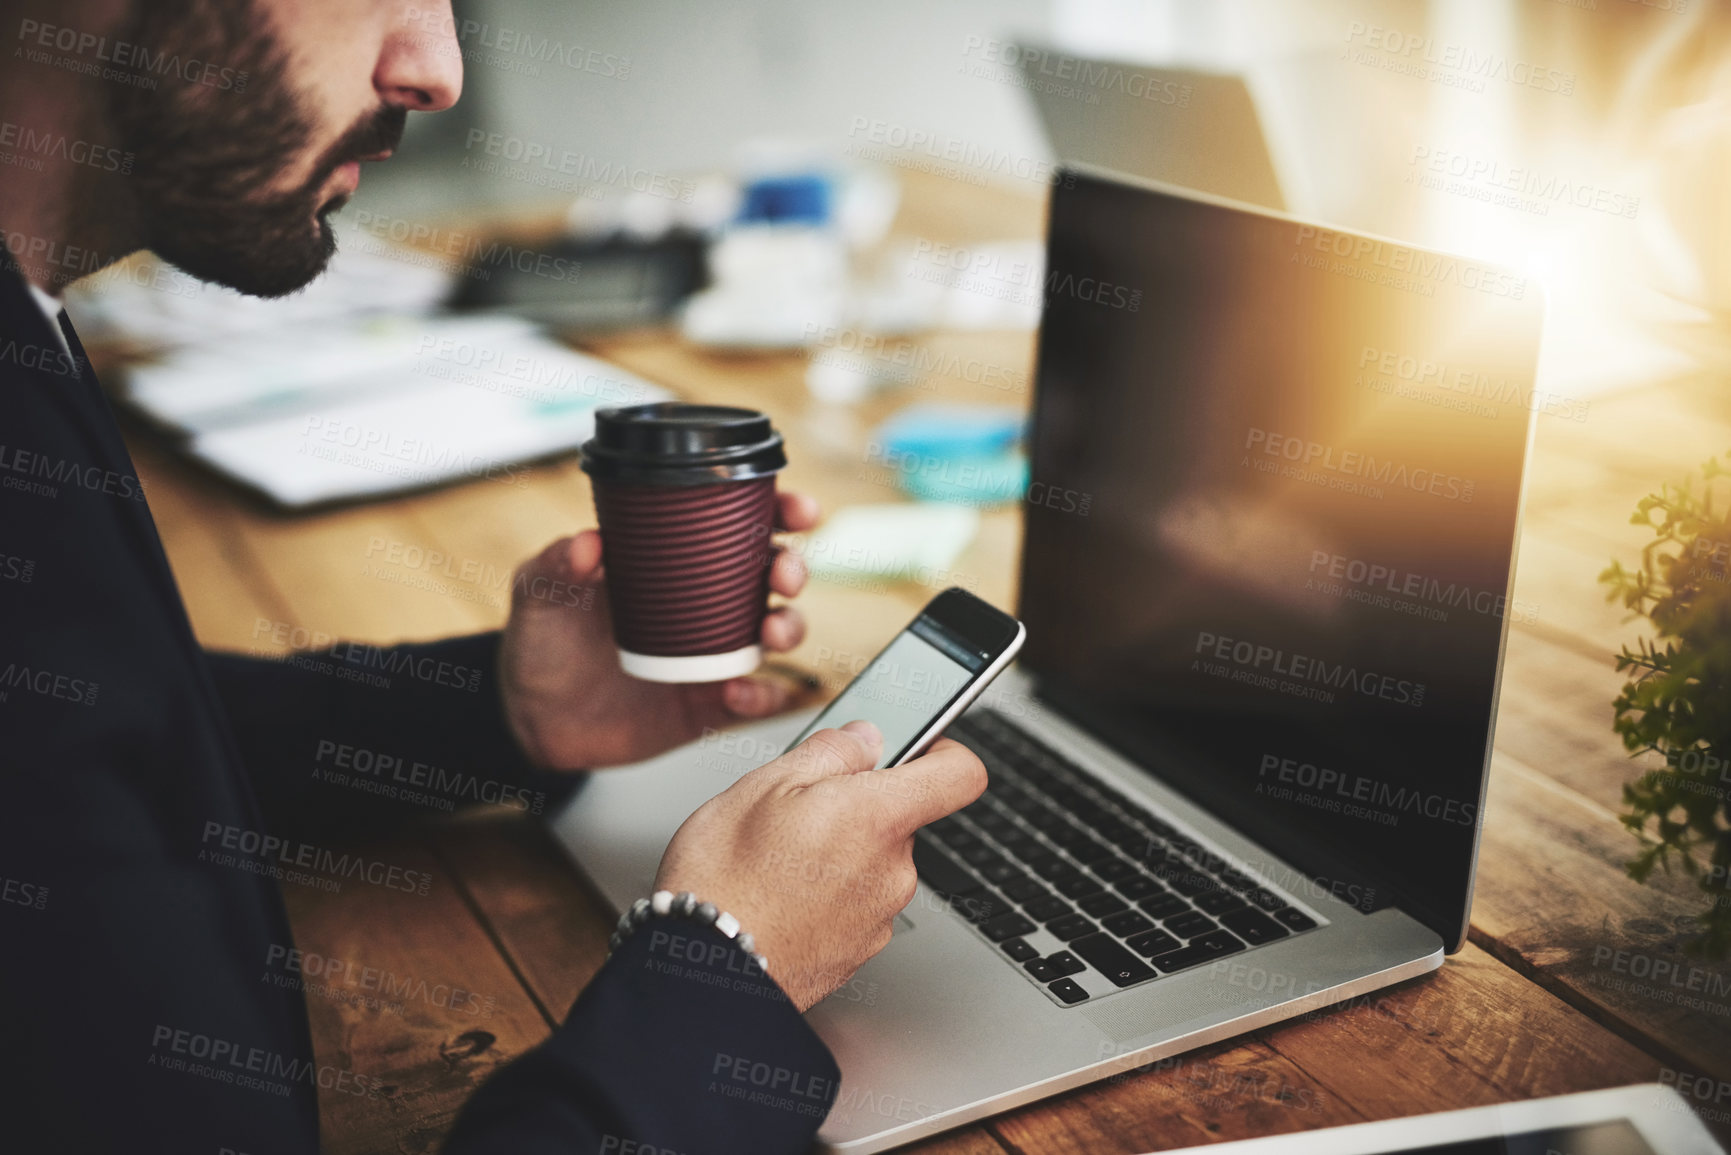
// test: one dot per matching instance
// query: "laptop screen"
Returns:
(1269, 540)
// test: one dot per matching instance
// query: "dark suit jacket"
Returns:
(153, 798)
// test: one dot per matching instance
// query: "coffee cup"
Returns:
(686, 499)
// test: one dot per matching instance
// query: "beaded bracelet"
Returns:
(685, 905)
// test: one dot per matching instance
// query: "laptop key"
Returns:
(1215, 902)
(1009, 925)
(1152, 942)
(1294, 918)
(958, 836)
(1185, 882)
(1047, 909)
(1138, 886)
(979, 906)
(1091, 852)
(1049, 866)
(1069, 837)
(1112, 828)
(1072, 926)
(1190, 924)
(1266, 899)
(1102, 904)
(1131, 842)
(1112, 869)
(1106, 955)
(1253, 926)
(1237, 880)
(981, 856)
(1019, 949)
(1054, 966)
(1128, 923)
(1164, 905)
(1042, 970)
(1066, 963)
(1002, 873)
(939, 871)
(1047, 821)
(1068, 991)
(1205, 949)
(1078, 885)
(1025, 891)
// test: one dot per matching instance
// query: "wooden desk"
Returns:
(1537, 1004)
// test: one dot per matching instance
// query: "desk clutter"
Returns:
(426, 355)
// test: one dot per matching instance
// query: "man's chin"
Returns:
(269, 270)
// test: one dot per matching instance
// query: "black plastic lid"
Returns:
(673, 443)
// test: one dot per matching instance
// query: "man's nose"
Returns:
(421, 63)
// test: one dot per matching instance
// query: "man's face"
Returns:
(238, 169)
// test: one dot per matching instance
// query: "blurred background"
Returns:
(835, 181)
(1635, 106)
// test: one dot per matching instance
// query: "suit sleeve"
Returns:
(358, 739)
(680, 1043)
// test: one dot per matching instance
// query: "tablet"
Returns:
(1642, 1120)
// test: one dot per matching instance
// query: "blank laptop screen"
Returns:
(1269, 540)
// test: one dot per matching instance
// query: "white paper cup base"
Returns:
(695, 668)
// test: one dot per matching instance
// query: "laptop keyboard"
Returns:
(1052, 857)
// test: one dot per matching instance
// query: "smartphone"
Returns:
(926, 676)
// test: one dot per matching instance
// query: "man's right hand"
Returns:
(813, 852)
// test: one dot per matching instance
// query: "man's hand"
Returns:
(571, 706)
(813, 852)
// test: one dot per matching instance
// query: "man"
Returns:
(153, 793)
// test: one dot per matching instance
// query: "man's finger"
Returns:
(754, 697)
(853, 749)
(783, 629)
(941, 781)
(787, 573)
(583, 555)
(795, 512)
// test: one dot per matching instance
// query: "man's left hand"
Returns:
(570, 705)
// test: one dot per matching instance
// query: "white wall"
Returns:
(705, 77)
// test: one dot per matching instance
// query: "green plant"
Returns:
(1677, 703)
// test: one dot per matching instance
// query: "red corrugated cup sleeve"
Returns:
(687, 565)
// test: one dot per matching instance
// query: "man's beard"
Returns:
(204, 154)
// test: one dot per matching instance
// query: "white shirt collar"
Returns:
(50, 307)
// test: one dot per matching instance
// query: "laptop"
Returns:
(1238, 772)
(1183, 126)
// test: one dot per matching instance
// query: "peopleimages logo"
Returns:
(98, 50)
(1313, 455)
(1373, 583)
(904, 362)
(59, 146)
(969, 156)
(1468, 384)
(1424, 57)
(335, 975)
(1297, 674)
(47, 683)
(275, 851)
(226, 1061)
(1358, 788)
(1400, 260)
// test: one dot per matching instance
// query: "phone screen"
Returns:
(907, 686)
